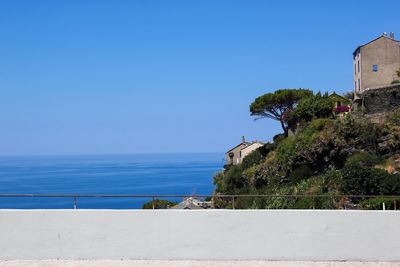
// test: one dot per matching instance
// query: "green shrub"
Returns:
(234, 180)
(363, 180)
(317, 106)
(304, 147)
(317, 125)
(360, 177)
(394, 118)
(315, 202)
(266, 148)
(363, 159)
(359, 132)
(279, 202)
(252, 159)
(390, 185)
(159, 204)
(300, 173)
(333, 181)
(278, 138)
(286, 150)
(219, 182)
(395, 81)
(267, 174)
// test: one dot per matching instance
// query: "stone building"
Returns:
(250, 148)
(376, 63)
(236, 154)
(233, 155)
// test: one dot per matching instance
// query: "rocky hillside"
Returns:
(326, 156)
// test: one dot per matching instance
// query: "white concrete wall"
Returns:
(207, 235)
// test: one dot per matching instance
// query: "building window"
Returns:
(358, 63)
(375, 68)
(355, 86)
(355, 69)
(359, 87)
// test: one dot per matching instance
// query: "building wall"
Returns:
(247, 150)
(357, 72)
(385, 53)
(236, 154)
(309, 235)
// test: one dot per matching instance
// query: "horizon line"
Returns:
(108, 154)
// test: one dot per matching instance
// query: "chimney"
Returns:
(384, 34)
(392, 35)
(243, 139)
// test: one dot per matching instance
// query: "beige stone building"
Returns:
(375, 63)
(233, 155)
(236, 154)
(250, 148)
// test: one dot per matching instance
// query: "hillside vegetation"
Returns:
(326, 155)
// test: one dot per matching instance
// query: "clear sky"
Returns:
(109, 77)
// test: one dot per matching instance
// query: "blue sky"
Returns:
(109, 77)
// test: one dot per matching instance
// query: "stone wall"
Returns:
(381, 100)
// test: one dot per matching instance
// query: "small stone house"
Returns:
(342, 105)
(236, 154)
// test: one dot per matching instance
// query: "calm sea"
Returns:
(117, 174)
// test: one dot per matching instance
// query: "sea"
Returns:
(148, 174)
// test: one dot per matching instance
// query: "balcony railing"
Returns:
(242, 201)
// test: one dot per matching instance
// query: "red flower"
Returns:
(340, 109)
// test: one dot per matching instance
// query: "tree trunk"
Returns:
(285, 129)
